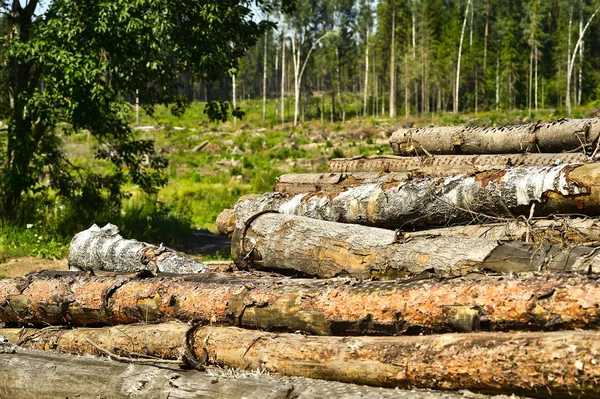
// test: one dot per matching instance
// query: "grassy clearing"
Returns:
(212, 165)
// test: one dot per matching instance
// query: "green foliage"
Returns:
(77, 66)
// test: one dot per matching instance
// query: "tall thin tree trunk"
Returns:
(530, 87)
(366, 93)
(393, 66)
(462, 35)
(498, 80)
(233, 95)
(282, 79)
(406, 91)
(264, 110)
(571, 60)
(485, 50)
(580, 59)
(536, 78)
(296, 58)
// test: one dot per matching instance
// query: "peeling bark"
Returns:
(327, 249)
(334, 307)
(104, 249)
(557, 136)
(447, 165)
(563, 189)
(561, 363)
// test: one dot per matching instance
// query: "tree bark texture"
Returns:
(298, 183)
(326, 249)
(446, 165)
(564, 231)
(563, 189)
(34, 375)
(561, 363)
(556, 136)
(104, 249)
(333, 307)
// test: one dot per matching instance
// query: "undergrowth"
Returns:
(212, 166)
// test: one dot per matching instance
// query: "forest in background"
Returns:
(334, 60)
(432, 55)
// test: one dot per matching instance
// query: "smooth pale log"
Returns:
(553, 137)
(564, 363)
(297, 183)
(104, 249)
(446, 165)
(330, 307)
(34, 375)
(567, 231)
(326, 249)
(485, 196)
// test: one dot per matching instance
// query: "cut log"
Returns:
(298, 183)
(578, 135)
(34, 375)
(335, 307)
(563, 363)
(447, 165)
(567, 231)
(323, 249)
(104, 249)
(563, 189)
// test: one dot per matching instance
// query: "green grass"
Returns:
(241, 158)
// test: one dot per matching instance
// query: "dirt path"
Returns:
(17, 267)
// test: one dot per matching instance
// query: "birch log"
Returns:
(34, 375)
(104, 249)
(485, 196)
(447, 165)
(578, 135)
(564, 363)
(332, 307)
(326, 249)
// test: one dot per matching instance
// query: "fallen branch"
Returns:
(327, 249)
(563, 363)
(578, 135)
(333, 307)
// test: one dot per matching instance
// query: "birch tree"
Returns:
(571, 60)
(460, 46)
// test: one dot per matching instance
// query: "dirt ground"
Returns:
(21, 266)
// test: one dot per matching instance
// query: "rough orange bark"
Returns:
(335, 307)
(564, 363)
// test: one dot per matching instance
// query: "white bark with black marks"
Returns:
(443, 201)
(104, 249)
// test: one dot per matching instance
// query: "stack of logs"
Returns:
(468, 260)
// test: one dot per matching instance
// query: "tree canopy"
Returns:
(76, 65)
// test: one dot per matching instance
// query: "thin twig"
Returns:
(129, 359)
